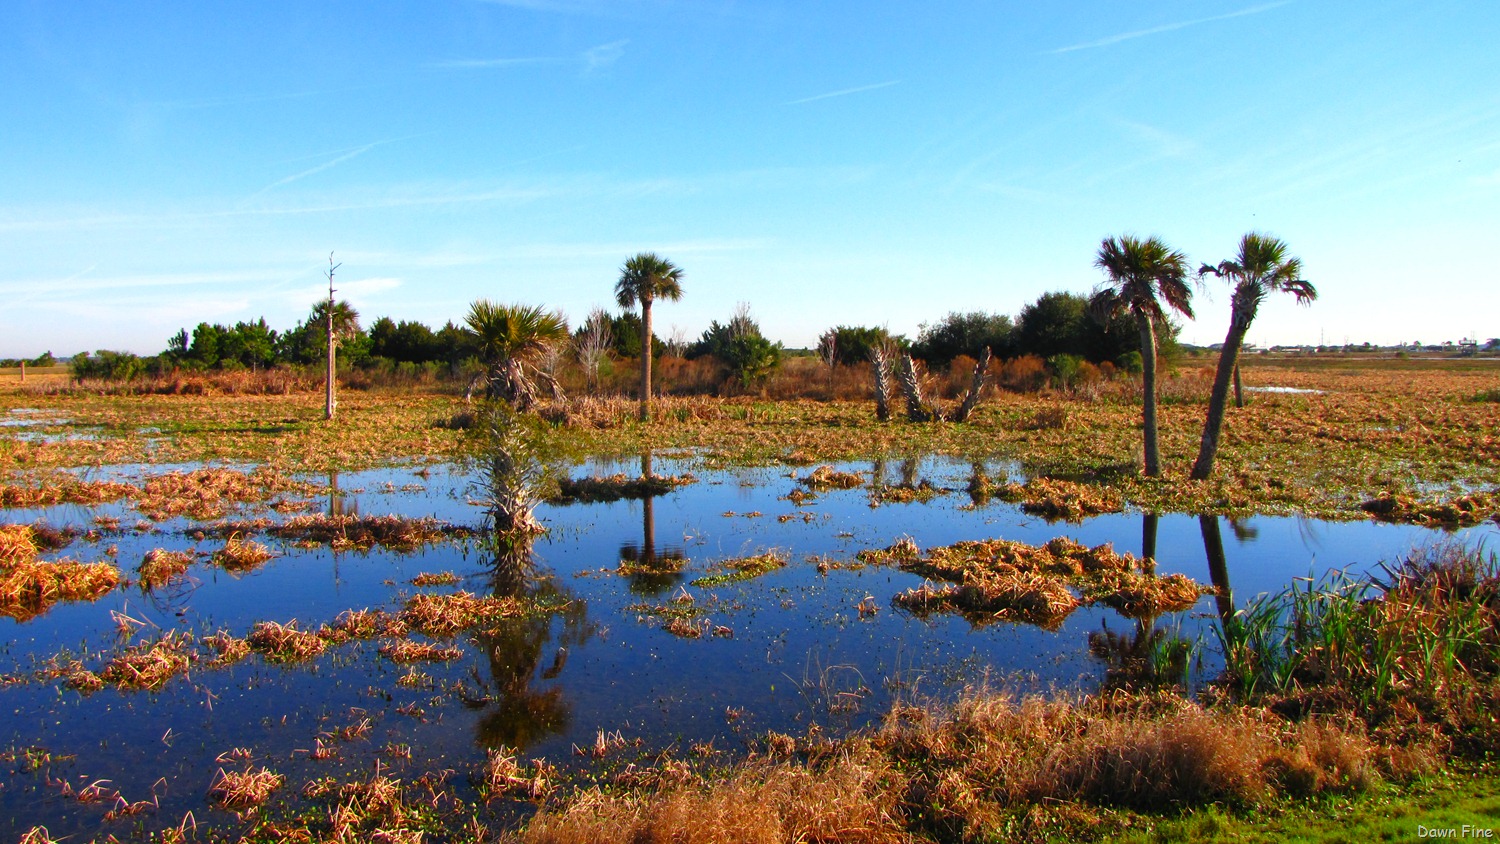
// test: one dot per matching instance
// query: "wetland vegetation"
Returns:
(762, 618)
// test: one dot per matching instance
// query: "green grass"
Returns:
(1449, 801)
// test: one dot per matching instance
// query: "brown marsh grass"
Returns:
(244, 789)
(150, 665)
(284, 643)
(241, 555)
(617, 487)
(446, 616)
(29, 587)
(361, 533)
(1037, 584)
(160, 567)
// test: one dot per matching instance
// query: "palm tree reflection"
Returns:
(523, 703)
(651, 571)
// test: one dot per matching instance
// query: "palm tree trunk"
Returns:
(1239, 388)
(645, 360)
(1148, 398)
(1218, 399)
(1149, 522)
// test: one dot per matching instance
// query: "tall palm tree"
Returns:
(644, 279)
(1143, 274)
(1261, 268)
(512, 339)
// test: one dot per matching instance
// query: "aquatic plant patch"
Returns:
(1002, 579)
(740, 569)
(29, 587)
(616, 488)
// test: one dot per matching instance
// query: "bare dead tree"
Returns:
(328, 398)
(593, 344)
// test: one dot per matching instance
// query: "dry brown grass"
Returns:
(846, 798)
(504, 776)
(448, 615)
(361, 533)
(617, 487)
(403, 651)
(1055, 500)
(361, 624)
(160, 567)
(241, 555)
(204, 494)
(244, 789)
(228, 649)
(29, 587)
(827, 477)
(284, 642)
(442, 578)
(1001, 579)
(150, 665)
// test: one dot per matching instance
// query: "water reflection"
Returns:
(523, 702)
(1218, 568)
(651, 571)
(340, 504)
(1149, 656)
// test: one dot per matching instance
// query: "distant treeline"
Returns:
(1056, 328)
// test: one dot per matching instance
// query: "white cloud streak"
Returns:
(844, 92)
(1171, 27)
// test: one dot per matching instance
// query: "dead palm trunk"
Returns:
(1148, 398)
(911, 387)
(645, 360)
(981, 374)
(882, 369)
(1218, 399)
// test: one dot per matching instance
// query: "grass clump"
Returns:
(228, 648)
(743, 568)
(150, 665)
(244, 789)
(826, 478)
(161, 567)
(616, 488)
(1414, 649)
(361, 533)
(445, 616)
(361, 624)
(443, 578)
(1000, 579)
(284, 643)
(1463, 511)
(1059, 500)
(29, 587)
(405, 651)
(241, 555)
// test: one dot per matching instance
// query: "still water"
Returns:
(783, 651)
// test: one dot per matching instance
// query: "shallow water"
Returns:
(797, 650)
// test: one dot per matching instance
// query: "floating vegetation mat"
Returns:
(201, 494)
(161, 567)
(827, 477)
(29, 587)
(742, 568)
(999, 579)
(617, 487)
(1055, 500)
(1464, 511)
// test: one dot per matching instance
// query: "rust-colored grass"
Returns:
(29, 587)
(160, 567)
(284, 643)
(244, 789)
(405, 651)
(241, 555)
(150, 665)
(1002, 579)
(448, 615)
(361, 533)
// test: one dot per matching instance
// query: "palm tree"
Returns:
(644, 279)
(1143, 274)
(1261, 267)
(512, 339)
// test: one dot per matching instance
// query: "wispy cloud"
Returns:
(604, 55)
(844, 92)
(592, 60)
(1170, 27)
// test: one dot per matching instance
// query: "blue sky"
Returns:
(829, 163)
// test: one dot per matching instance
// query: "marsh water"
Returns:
(816, 642)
